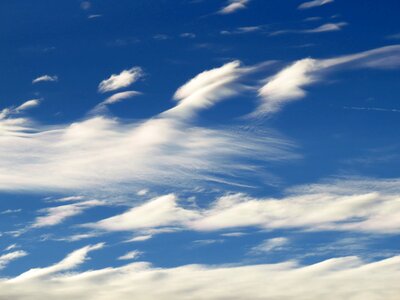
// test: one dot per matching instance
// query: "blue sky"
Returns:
(199, 149)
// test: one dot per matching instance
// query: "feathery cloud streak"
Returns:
(102, 151)
(288, 84)
(314, 3)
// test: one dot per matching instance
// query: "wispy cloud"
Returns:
(131, 255)
(94, 16)
(122, 80)
(207, 89)
(73, 260)
(5, 259)
(345, 206)
(244, 30)
(103, 151)
(139, 238)
(314, 3)
(234, 6)
(10, 211)
(118, 97)
(188, 35)
(56, 215)
(9, 111)
(45, 78)
(270, 245)
(328, 27)
(288, 84)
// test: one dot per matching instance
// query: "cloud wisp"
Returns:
(289, 84)
(45, 78)
(233, 6)
(56, 215)
(328, 27)
(314, 3)
(5, 259)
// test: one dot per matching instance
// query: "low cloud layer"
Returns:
(339, 278)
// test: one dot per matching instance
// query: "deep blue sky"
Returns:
(341, 136)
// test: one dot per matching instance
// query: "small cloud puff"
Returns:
(122, 80)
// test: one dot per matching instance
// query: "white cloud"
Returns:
(78, 237)
(327, 27)
(94, 16)
(288, 84)
(131, 255)
(234, 6)
(10, 211)
(142, 192)
(122, 80)
(5, 259)
(58, 214)
(111, 154)
(28, 104)
(139, 238)
(314, 3)
(344, 206)
(73, 260)
(270, 245)
(118, 97)
(208, 88)
(45, 78)
(11, 111)
(339, 278)
(244, 29)
(233, 234)
(161, 211)
(11, 247)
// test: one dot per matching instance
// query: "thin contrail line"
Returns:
(373, 109)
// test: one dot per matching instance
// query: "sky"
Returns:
(199, 149)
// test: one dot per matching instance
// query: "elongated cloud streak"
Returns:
(339, 206)
(288, 84)
(70, 262)
(45, 78)
(314, 3)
